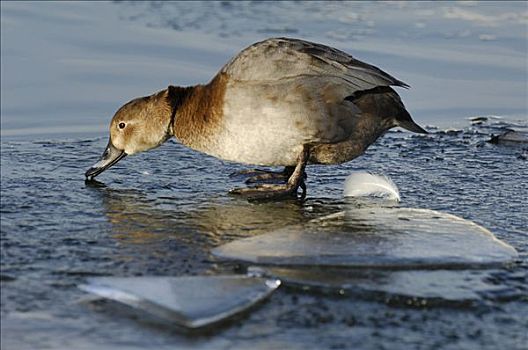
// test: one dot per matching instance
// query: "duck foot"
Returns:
(264, 176)
(259, 175)
(270, 191)
(248, 172)
(295, 179)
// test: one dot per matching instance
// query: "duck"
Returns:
(280, 102)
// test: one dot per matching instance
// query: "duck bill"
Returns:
(110, 156)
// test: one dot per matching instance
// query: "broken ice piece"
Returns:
(511, 137)
(189, 301)
(375, 237)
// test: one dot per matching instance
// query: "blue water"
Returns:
(66, 68)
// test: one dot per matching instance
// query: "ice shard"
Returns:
(190, 301)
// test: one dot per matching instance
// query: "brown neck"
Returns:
(197, 111)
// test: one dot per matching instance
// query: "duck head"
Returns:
(140, 125)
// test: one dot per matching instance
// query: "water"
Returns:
(66, 67)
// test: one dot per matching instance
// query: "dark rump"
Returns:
(384, 102)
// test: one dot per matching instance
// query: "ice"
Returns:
(191, 301)
(375, 237)
(511, 137)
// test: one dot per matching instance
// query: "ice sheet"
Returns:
(375, 237)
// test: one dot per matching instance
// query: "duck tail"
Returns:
(404, 120)
(386, 103)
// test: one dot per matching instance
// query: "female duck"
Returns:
(280, 102)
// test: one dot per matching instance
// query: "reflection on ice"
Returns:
(440, 285)
(192, 301)
(375, 237)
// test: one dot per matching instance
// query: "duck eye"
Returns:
(122, 125)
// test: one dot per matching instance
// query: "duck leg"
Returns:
(272, 191)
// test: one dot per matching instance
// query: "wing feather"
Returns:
(284, 58)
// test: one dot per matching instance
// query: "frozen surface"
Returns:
(192, 302)
(370, 237)
(162, 212)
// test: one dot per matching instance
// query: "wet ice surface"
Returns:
(375, 237)
(66, 67)
(161, 213)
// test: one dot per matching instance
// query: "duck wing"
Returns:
(284, 58)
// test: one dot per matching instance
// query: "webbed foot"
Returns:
(259, 175)
(293, 177)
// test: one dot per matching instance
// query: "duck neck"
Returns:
(176, 97)
(197, 112)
